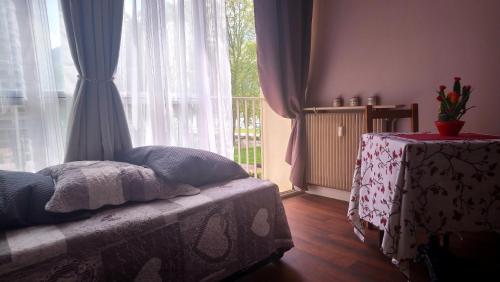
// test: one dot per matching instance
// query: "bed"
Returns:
(228, 227)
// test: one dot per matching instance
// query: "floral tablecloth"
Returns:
(405, 186)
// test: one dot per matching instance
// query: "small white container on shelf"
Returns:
(338, 102)
(354, 101)
(373, 100)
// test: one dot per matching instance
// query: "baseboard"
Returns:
(290, 193)
(328, 192)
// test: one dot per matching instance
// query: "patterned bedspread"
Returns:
(225, 228)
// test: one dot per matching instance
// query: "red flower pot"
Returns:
(449, 128)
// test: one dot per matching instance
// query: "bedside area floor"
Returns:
(326, 249)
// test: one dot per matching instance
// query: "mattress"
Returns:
(209, 236)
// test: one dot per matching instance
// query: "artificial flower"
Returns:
(453, 97)
(453, 105)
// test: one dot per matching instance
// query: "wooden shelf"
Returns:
(347, 108)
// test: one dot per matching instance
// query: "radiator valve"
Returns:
(341, 131)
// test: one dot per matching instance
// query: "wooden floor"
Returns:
(326, 248)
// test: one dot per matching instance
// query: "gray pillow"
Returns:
(23, 196)
(184, 165)
(89, 185)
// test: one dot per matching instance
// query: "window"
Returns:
(35, 77)
(174, 75)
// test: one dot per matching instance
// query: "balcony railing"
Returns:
(247, 128)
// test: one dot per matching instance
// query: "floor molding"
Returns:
(328, 192)
(290, 193)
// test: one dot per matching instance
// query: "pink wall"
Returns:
(402, 50)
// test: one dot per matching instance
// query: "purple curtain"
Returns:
(98, 128)
(283, 29)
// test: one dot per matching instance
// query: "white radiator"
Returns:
(332, 146)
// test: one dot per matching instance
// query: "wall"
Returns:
(402, 51)
(276, 131)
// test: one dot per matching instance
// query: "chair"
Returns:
(391, 115)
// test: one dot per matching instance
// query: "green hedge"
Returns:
(243, 151)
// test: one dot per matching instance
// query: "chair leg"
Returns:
(370, 226)
(367, 225)
(380, 238)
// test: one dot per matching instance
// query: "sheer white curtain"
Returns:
(31, 105)
(174, 75)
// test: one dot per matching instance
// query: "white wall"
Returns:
(276, 131)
